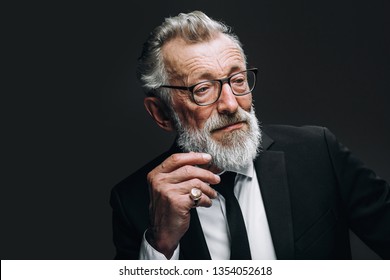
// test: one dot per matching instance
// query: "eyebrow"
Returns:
(208, 76)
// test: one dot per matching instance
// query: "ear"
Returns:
(157, 110)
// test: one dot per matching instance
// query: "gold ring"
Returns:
(195, 195)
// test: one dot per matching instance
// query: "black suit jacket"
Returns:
(313, 189)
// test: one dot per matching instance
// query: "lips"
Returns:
(230, 127)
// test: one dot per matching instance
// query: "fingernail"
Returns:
(206, 156)
(217, 178)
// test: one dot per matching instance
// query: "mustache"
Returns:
(219, 121)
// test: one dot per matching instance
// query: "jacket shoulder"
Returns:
(287, 135)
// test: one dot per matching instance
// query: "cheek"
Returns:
(245, 102)
(197, 117)
(192, 115)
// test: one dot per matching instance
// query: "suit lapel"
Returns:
(193, 245)
(271, 170)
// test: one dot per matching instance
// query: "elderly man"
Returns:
(226, 189)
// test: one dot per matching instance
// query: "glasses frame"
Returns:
(221, 81)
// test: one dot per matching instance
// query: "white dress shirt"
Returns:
(215, 227)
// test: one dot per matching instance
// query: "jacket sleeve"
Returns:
(126, 238)
(365, 195)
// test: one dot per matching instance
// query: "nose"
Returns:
(227, 103)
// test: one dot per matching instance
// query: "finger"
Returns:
(189, 172)
(176, 161)
(204, 201)
(185, 188)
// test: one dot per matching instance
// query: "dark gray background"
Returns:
(75, 123)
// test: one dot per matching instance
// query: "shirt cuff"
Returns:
(147, 252)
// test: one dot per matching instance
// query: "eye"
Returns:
(203, 89)
(239, 79)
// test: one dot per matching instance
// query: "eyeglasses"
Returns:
(208, 92)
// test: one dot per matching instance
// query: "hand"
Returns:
(170, 184)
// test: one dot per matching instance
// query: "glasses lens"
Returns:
(243, 83)
(206, 92)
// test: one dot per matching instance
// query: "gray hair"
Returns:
(193, 27)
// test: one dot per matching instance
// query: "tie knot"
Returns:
(226, 186)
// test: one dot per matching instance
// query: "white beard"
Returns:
(236, 149)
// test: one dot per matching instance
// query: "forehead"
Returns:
(190, 61)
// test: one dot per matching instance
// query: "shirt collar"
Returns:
(246, 170)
